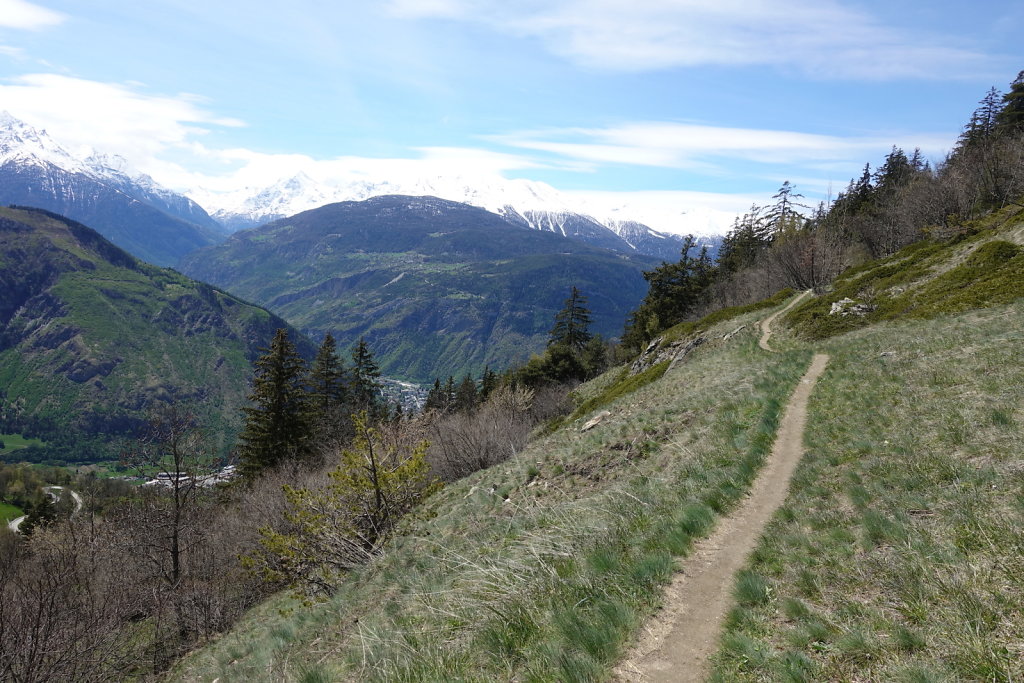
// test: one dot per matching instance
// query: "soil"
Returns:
(766, 324)
(678, 641)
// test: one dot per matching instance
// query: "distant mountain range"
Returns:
(160, 226)
(437, 287)
(150, 221)
(90, 336)
(521, 202)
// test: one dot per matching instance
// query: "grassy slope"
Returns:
(156, 334)
(542, 567)
(9, 512)
(899, 555)
(13, 442)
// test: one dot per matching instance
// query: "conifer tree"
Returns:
(784, 215)
(488, 382)
(983, 123)
(676, 290)
(435, 398)
(466, 395)
(1010, 119)
(328, 390)
(366, 383)
(571, 323)
(277, 419)
(448, 395)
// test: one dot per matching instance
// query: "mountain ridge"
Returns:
(91, 336)
(521, 202)
(129, 208)
(437, 287)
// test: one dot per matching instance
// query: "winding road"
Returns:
(55, 493)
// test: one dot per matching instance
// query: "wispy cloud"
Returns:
(823, 38)
(13, 52)
(696, 146)
(26, 15)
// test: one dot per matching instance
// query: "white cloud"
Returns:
(110, 117)
(821, 37)
(25, 15)
(689, 146)
(675, 211)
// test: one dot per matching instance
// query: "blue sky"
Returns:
(702, 104)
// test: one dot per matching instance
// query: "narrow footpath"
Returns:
(677, 642)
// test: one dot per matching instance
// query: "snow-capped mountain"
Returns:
(521, 202)
(127, 207)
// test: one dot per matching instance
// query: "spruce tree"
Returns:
(983, 123)
(366, 383)
(1010, 119)
(676, 291)
(435, 398)
(328, 390)
(277, 419)
(466, 395)
(448, 395)
(488, 383)
(571, 323)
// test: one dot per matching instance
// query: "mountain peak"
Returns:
(20, 141)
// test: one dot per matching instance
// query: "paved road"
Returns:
(55, 493)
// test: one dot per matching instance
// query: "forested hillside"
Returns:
(436, 287)
(91, 337)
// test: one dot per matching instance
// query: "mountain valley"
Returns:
(436, 287)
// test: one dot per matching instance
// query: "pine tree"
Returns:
(366, 383)
(328, 390)
(571, 323)
(466, 395)
(488, 382)
(1010, 119)
(448, 395)
(982, 125)
(435, 398)
(675, 292)
(784, 215)
(748, 239)
(277, 419)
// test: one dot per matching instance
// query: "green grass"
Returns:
(900, 552)
(618, 382)
(13, 442)
(974, 269)
(549, 577)
(9, 512)
(690, 328)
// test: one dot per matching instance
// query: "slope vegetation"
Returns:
(896, 556)
(90, 336)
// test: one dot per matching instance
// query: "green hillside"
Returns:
(436, 287)
(898, 555)
(90, 337)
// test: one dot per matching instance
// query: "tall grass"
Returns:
(900, 553)
(541, 568)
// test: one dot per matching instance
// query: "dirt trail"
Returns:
(766, 324)
(677, 643)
